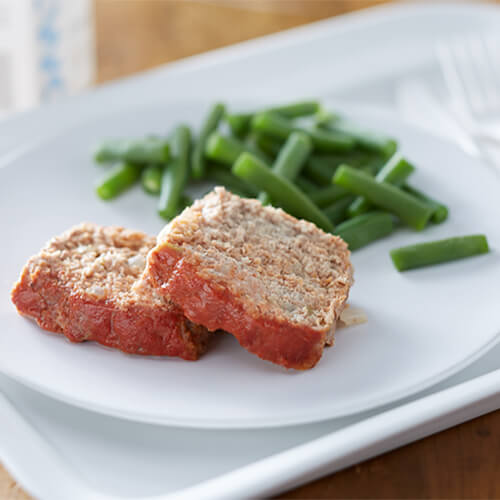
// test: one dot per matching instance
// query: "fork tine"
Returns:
(482, 71)
(486, 73)
(471, 67)
(492, 51)
(451, 76)
(469, 73)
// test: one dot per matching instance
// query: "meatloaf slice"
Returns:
(276, 283)
(80, 285)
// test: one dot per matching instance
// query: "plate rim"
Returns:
(242, 424)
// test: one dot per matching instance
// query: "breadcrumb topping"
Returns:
(102, 262)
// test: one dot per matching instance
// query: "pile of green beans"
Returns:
(311, 162)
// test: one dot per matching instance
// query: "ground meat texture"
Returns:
(276, 283)
(81, 285)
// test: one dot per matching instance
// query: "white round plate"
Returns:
(422, 325)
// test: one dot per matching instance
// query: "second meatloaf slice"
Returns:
(276, 283)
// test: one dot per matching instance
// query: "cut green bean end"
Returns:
(117, 181)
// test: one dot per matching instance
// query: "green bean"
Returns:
(368, 140)
(297, 109)
(151, 179)
(305, 185)
(365, 228)
(324, 197)
(290, 160)
(337, 211)
(267, 144)
(319, 170)
(409, 209)
(117, 180)
(372, 166)
(226, 150)
(277, 126)
(395, 171)
(436, 252)
(324, 117)
(355, 158)
(293, 155)
(150, 150)
(223, 149)
(440, 211)
(184, 202)
(328, 141)
(273, 125)
(281, 190)
(240, 122)
(175, 175)
(210, 124)
(330, 161)
(223, 177)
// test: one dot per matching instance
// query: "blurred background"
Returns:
(151, 32)
(50, 48)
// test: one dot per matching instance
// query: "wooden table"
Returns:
(133, 35)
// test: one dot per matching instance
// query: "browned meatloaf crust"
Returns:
(80, 285)
(276, 283)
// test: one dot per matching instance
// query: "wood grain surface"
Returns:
(133, 35)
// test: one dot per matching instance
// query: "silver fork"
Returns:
(471, 68)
